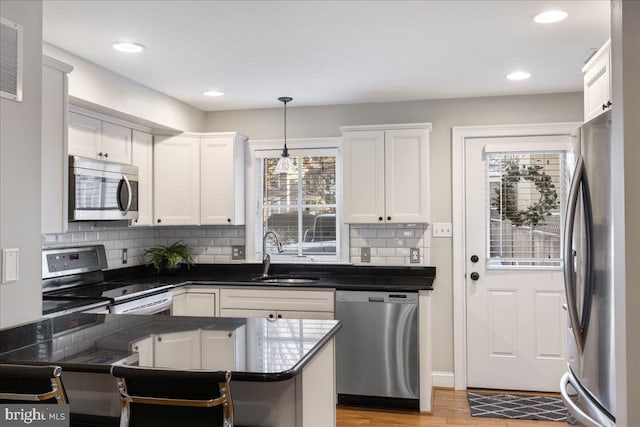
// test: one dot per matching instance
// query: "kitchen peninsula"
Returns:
(283, 370)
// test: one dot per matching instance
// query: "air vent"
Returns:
(10, 60)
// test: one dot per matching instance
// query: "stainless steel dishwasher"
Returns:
(377, 348)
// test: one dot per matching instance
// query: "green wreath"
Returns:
(506, 196)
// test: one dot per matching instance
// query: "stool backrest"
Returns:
(30, 383)
(173, 398)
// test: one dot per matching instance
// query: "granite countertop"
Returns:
(253, 349)
(340, 277)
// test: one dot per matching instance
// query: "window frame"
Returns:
(253, 226)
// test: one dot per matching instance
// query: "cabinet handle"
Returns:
(159, 220)
(100, 153)
(106, 154)
(380, 218)
(159, 338)
(604, 107)
(230, 334)
(608, 103)
(388, 218)
(228, 219)
(135, 348)
(270, 316)
(135, 220)
(279, 316)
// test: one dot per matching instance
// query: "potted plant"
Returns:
(170, 258)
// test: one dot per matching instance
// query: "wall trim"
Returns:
(443, 379)
(459, 135)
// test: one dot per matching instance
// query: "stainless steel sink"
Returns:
(285, 279)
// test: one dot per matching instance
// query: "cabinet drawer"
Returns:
(275, 299)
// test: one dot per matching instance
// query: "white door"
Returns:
(406, 168)
(116, 143)
(176, 181)
(516, 327)
(217, 180)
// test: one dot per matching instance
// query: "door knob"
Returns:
(474, 258)
(475, 276)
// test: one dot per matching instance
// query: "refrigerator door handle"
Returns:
(574, 409)
(579, 324)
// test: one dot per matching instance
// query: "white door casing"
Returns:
(460, 137)
(516, 339)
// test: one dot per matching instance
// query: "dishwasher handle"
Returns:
(376, 299)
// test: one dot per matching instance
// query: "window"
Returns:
(302, 209)
(525, 206)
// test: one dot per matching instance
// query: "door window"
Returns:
(525, 208)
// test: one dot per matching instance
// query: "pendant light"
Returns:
(285, 163)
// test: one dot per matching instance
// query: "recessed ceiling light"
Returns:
(518, 75)
(212, 93)
(128, 47)
(550, 16)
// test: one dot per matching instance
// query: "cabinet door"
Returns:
(178, 350)
(144, 348)
(218, 350)
(276, 299)
(142, 157)
(597, 84)
(179, 304)
(406, 176)
(54, 158)
(217, 181)
(176, 175)
(363, 177)
(197, 304)
(116, 143)
(85, 136)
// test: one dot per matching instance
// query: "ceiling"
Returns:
(332, 52)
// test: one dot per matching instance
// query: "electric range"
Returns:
(73, 280)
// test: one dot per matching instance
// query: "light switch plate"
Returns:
(365, 254)
(10, 265)
(237, 252)
(442, 229)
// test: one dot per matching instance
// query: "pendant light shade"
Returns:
(285, 163)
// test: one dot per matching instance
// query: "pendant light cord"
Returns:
(285, 127)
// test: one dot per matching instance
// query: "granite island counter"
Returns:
(283, 371)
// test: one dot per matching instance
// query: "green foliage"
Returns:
(169, 256)
(505, 197)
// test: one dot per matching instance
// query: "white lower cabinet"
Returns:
(197, 349)
(177, 350)
(277, 303)
(195, 302)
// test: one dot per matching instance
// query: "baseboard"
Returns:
(443, 379)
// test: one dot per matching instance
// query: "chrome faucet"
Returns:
(266, 258)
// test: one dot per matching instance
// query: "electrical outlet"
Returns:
(237, 252)
(414, 256)
(442, 229)
(124, 255)
(365, 254)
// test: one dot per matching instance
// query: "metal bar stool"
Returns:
(30, 383)
(173, 398)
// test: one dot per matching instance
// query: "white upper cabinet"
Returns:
(142, 157)
(96, 139)
(54, 159)
(597, 83)
(199, 179)
(176, 195)
(386, 173)
(222, 179)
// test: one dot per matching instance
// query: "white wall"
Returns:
(306, 122)
(97, 88)
(625, 39)
(20, 128)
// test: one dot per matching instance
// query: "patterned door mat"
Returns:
(516, 406)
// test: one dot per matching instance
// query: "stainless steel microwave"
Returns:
(101, 190)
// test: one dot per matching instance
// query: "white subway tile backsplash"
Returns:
(390, 243)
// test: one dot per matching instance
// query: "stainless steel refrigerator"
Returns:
(588, 386)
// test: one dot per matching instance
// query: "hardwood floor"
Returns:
(450, 409)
